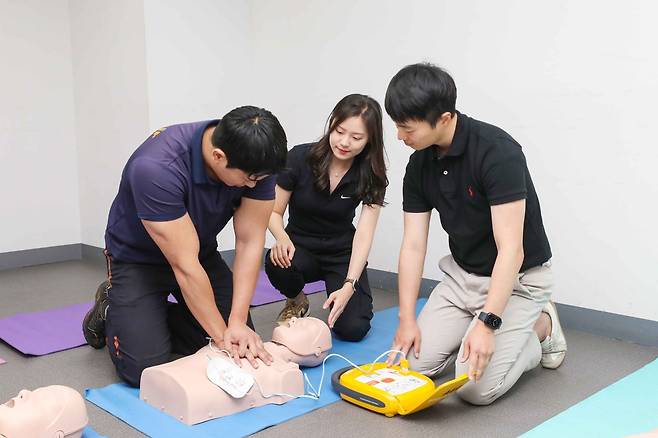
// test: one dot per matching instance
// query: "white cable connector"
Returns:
(215, 349)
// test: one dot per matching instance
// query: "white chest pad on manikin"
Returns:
(230, 377)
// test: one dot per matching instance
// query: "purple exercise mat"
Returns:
(40, 333)
(45, 332)
(265, 292)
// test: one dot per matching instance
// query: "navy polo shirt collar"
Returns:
(199, 175)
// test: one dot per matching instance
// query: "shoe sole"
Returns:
(553, 364)
(548, 360)
(92, 338)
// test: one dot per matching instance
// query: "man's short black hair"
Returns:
(253, 140)
(420, 92)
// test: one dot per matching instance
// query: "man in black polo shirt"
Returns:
(491, 312)
(177, 192)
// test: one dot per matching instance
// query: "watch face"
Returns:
(494, 322)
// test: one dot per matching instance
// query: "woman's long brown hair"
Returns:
(371, 167)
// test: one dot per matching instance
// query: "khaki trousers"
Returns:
(450, 313)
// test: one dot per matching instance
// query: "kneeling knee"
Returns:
(479, 394)
(131, 371)
(351, 331)
(270, 268)
(429, 363)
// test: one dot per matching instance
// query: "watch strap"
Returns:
(351, 281)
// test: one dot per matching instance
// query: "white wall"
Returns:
(142, 65)
(325, 51)
(38, 164)
(573, 82)
(198, 59)
(111, 104)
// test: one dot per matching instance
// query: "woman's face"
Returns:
(349, 138)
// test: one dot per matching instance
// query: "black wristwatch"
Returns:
(351, 281)
(491, 320)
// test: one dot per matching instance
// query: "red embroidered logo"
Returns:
(471, 193)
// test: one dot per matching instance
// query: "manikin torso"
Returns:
(182, 389)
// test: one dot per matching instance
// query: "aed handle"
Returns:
(342, 389)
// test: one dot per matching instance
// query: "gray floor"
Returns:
(592, 364)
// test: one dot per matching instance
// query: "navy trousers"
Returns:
(143, 329)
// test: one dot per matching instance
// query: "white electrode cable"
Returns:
(315, 394)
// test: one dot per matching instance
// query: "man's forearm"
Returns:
(503, 277)
(245, 275)
(410, 273)
(200, 299)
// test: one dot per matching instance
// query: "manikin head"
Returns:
(309, 338)
(53, 411)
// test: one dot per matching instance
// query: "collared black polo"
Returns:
(316, 213)
(484, 166)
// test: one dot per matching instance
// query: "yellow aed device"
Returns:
(391, 390)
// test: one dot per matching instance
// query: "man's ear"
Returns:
(445, 118)
(218, 154)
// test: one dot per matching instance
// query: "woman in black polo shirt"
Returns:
(323, 184)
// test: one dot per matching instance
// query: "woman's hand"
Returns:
(282, 253)
(339, 298)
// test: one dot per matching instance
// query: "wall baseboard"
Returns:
(610, 325)
(389, 281)
(65, 253)
(92, 253)
(40, 256)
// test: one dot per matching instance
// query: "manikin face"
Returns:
(348, 138)
(43, 412)
(303, 336)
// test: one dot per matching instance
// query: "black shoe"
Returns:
(93, 326)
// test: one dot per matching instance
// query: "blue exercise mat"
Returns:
(627, 407)
(88, 432)
(123, 401)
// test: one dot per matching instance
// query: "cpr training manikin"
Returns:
(208, 385)
(52, 411)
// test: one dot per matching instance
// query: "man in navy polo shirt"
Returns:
(177, 192)
(491, 312)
